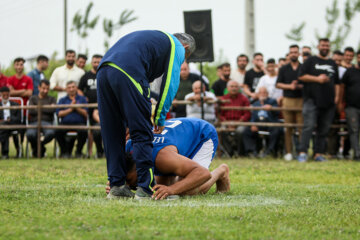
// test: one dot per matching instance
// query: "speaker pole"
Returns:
(202, 93)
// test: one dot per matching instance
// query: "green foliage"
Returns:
(269, 199)
(109, 26)
(336, 31)
(82, 23)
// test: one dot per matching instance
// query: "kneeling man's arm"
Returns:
(192, 173)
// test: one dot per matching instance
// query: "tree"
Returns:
(336, 31)
(109, 26)
(81, 23)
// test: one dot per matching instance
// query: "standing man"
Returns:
(351, 85)
(63, 74)
(42, 63)
(239, 74)
(253, 76)
(219, 87)
(292, 91)
(321, 93)
(349, 54)
(124, 100)
(87, 87)
(47, 117)
(81, 61)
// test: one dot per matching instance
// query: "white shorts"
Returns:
(205, 154)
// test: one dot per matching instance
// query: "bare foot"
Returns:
(223, 184)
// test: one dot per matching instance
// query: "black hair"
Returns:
(42, 58)
(225, 65)
(338, 52)
(257, 54)
(271, 60)
(71, 82)
(69, 51)
(306, 54)
(19, 59)
(324, 40)
(219, 67)
(242, 55)
(294, 46)
(44, 81)
(349, 49)
(307, 47)
(4, 89)
(281, 59)
(83, 56)
(97, 56)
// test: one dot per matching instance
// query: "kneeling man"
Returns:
(182, 154)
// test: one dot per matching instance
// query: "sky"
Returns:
(32, 27)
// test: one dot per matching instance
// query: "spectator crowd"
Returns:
(325, 85)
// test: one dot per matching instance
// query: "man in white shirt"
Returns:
(269, 81)
(63, 74)
(239, 74)
(194, 109)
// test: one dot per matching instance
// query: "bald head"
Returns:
(233, 87)
(196, 87)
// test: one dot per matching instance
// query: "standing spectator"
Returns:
(97, 134)
(219, 87)
(81, 61)
(63, 74)
(321, 93)
(338, 57)
(185, 87)
(305, 53)
(269, 80)
(253, 76)
(7, 117)
(71, 116)
(47, 117)
(194, 109)
(251, 133)
(239, 73)
(37, 74)
(232, 141)
(349, 54)
(351, 86)
(292, 91)
(20, 85)
(3, 79)
(87, 87)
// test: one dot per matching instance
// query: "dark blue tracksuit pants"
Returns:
(122, 105)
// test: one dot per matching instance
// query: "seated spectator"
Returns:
(71, 116)
(7, 117)
(47, 118)
(97, 134)
(219, 87)
(269, 81)
(194, 109)
(232, 141)
(37, 74)
(251, 133)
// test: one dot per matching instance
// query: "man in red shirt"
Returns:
(3, 79)
(20, 85)
(232, 141)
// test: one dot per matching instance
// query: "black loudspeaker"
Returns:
(198, 25)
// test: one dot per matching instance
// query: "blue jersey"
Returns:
(186, 134)
(147, 55)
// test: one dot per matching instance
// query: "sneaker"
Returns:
(302, 157)
(120, 192)
(141, 194)
(288, 157)
(320, 158)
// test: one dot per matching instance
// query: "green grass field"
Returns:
(269, 199)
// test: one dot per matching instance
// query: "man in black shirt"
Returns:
(321, 93)
(219, 87)
(47, 118)
(253, 76)
(351, 86)
(292, 92)
(87, 86)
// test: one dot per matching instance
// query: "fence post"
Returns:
(39, 108)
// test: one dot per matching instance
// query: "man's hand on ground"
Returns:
(161, 192)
